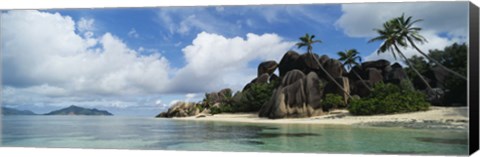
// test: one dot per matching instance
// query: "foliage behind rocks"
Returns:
(453, 57)
(332, 101)
(389, 99)
(253, 98)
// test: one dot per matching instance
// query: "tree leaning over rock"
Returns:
(350, 58)
(307, 41)
(409, 33)
(391, 35)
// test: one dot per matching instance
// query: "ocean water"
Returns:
(114, 132)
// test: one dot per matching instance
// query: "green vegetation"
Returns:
(454, 57)
(418, 63)
(389, 99)
(200, 107)
(251, 100)
(332, 101)
(254, 97)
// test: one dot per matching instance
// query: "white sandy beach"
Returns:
(436, 117)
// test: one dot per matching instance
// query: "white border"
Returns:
(51, 4)
(56, 4)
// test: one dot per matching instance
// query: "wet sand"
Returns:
(434, 118)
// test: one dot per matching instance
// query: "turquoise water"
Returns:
(114, 132)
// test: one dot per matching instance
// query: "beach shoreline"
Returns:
(435, 118)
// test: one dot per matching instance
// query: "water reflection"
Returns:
(442, 140)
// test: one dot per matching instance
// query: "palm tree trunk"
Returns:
(436, 62)
(329, 76)
(413, 68)
(363, 81)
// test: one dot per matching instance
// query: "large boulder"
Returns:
(217, 97)
(332, 87)
(267, 67)
(288, 62)
(312, 91)
(227, 92)
(396, 74)
(436, 96)
(323, 59)
(333, 67)
(181, 109)
(212, 98)
(297, 96)
(262, 79)
(274, 78)
(437, 75)
(292, 77)
(292, 60)
(360, 89)
(359, 71)
(374, 75)
(307, 63)
(379, 64)
(419, 84)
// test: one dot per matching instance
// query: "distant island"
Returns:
(71, 110)
(12, 111)
(75, 110)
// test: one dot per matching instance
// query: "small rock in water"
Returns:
(462, 121)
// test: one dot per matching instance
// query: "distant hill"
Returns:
(75, 110)
(12, 111)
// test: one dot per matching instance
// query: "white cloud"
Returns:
(84, 25)
(43, 55)
(133, 33)
(211, 67)
(46, 62)
(359, 20)
(190, 95)
(158, 102)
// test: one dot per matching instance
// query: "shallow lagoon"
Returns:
(114, 132)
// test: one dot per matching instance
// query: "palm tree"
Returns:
(349, 59)
(308, 41)
(410, 33)
(391, 37)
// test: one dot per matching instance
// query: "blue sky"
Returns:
(289, 22)
(138, 61)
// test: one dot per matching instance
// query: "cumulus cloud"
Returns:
(84, 25)
(443, 22)
(215, 62)
(46, 61)
(44, 56)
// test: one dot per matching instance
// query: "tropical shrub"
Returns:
(388, 99)
(215, 110)
(332, 101)
(253, 98)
